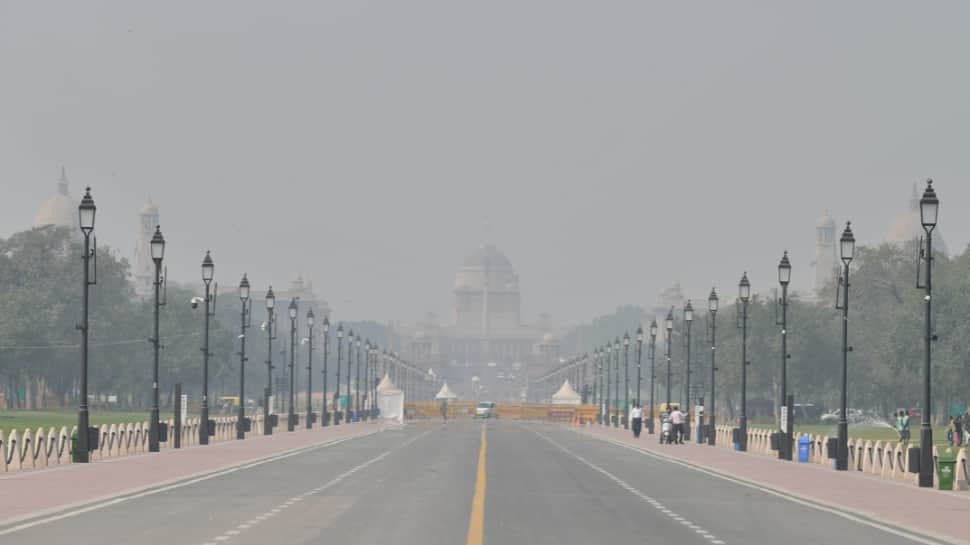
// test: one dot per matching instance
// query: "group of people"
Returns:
(677, 419)
(957, 430)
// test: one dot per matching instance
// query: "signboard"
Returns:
(784, 419)
(184, 407)
(272, 404)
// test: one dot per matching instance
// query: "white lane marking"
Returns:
(181, 483)
(794, 498)
(279, 508)
(646, 499)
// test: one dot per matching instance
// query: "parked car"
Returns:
(485, 409)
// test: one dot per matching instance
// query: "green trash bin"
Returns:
(74, 447)
(946, 468)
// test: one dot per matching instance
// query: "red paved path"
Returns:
(33, 491)
(933, 512)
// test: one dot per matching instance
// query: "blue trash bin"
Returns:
(804, 444)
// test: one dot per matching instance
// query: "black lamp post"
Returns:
(208, 270)
(616, 381)
(744, 293)
(86, 212)
(357, 383)
(653, 371)
(597, 371)
(626, 381)
(367, 351)
(639, 354)
(688, 319)
(311, 320)
(246, 322)
(784, 277)
(712, 309)
(290, 411)
(669, 323)
(847, 250)
(375, 353)
(157, 246)
(325, 414)
(270, 335)
(607, 360)
(336, 393)
(350, 362)
(929, 207)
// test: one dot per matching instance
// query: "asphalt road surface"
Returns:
(497, 483)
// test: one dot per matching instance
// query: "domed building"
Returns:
(61, 209)
(485, 336)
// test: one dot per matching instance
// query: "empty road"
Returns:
(497, 483)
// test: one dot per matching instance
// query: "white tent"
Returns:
(445, 393)
(390, 400)
(566, 396)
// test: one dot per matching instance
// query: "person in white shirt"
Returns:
(636, 416)
(677, 419)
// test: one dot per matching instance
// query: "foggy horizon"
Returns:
(614, 149)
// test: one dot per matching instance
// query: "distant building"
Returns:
(485, 336)
(143, 268)
(60, 210)
(826, 262)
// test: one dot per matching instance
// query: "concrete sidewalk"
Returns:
(27, 494)
(927, 511)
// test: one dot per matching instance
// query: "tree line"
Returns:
(40, 297)
(886, 332)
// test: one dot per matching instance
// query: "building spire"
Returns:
(62, 183)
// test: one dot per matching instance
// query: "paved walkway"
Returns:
(928, 511)
(28, 493)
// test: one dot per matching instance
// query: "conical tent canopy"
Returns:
(386, 385)
(566, 395)
(445, 393)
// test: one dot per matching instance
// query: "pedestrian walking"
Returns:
(637, 417)
(677, 419)
(904, 426)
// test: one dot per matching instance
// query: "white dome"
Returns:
(59, 210)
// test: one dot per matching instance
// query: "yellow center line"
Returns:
(476, 524)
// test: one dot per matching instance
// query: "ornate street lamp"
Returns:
(929, 208)
(87, 436)
(616, 381)
(207, 427)
(336, 394)
(311, 320)
(626, 381)
(653, 371)
(325, 417)
(157, 248)
(357, 415)
(784, 277)
(744, 294)
(270, 336)
(688, 319)
(669, 325)
(606, 365)
(712, 303)
(350, 362)
(847, 251)
(639, 354)
(242, 423)
(291, 413)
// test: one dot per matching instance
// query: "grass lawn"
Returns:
(870, 433)
(20, 420)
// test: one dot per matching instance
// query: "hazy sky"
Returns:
(615, 147)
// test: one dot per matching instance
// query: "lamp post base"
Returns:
(842, 448)
(153, 431)
(926, 457)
